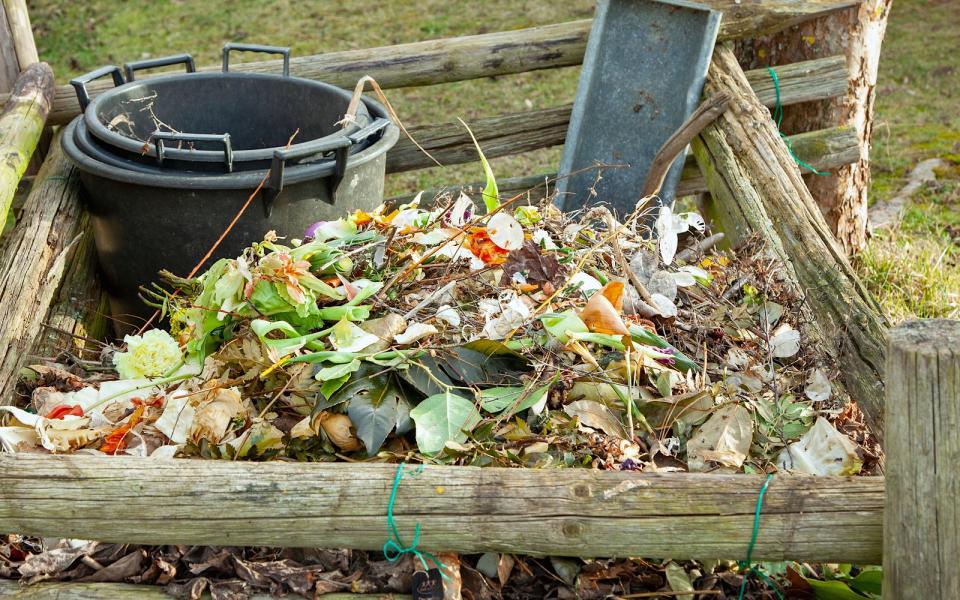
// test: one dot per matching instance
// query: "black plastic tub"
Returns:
(145, 222)
(216, 121)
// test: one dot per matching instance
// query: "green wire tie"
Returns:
(778, 117)
(393, 548)
(746, 564)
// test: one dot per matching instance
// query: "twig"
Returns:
(618, 251)
(711, 108)
(700, 247)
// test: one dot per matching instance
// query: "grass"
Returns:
(914, 270)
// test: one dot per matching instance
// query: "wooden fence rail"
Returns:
(491, 54)
(560, 512)
(515, 133)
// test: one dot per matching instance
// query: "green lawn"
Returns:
(915, 270)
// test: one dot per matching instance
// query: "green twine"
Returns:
(746, 564)
(393, 548)
(778, 117)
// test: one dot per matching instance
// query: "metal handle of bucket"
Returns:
(165, 61)
(158, 137)
(80, 83)
(256, 48)
(341, 147)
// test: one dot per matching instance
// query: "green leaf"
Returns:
(477, 364)
(330, 386)
(349, 313)
(490, 193)
(443, 418)
(374, 414)
(833, 590)
(337, 371)
(559, 324)
(266, 299)
(642, 336)
(496, 399)
(869, 581)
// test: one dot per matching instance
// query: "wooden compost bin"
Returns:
(51, 300)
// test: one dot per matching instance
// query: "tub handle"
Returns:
(158, 138)
(256, 48)
(165, 61)
(80, 83)
(341, 147)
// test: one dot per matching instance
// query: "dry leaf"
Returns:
(724, 439)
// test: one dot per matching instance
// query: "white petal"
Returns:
(414, 332)
(505, 231)
(543, 239)
(684, 279)
(449, 315)
(664, 305)
(588, 284)
(684, 221)
(785, 342)
(818, 386)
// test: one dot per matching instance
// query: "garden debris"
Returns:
(230, 572)
(510, 334)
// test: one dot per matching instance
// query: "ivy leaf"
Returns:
(374, 415)
(443, 418)
(477, 364)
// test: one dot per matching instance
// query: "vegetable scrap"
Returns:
(509, 334)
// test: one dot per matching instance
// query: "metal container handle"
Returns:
(80, 83)
(256, 48)
(341, 147)
(158, 137)
(165, 61)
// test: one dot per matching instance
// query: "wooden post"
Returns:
(33, 259)
(857, 33)
(921, 528)
(757, 188)
(18, 22)
(21, 125)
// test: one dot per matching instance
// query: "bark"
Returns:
(470, 510)
(757, 188)
(856, 33)
(33, 259)
(21, 125)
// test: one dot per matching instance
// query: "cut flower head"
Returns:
(152, 354)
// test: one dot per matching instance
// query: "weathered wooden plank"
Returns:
(127, 591)
(18, 18)
(79, 308)
(565, 512)
(491, 54)
(33, 260)
(922, 525)
(515, 133)
(757, 188)
(21, 124)
(824, 149)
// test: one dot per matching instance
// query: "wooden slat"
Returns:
(515, 133)
(127, 591)
(492, 54)
(757, 190)
(33, 262)
(824, 149)
(563, 512)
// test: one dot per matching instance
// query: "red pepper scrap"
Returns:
(61, 410)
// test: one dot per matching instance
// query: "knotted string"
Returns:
(746, 564)
(393, 548)
(778, 117)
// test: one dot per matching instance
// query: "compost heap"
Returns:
(517, 337)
